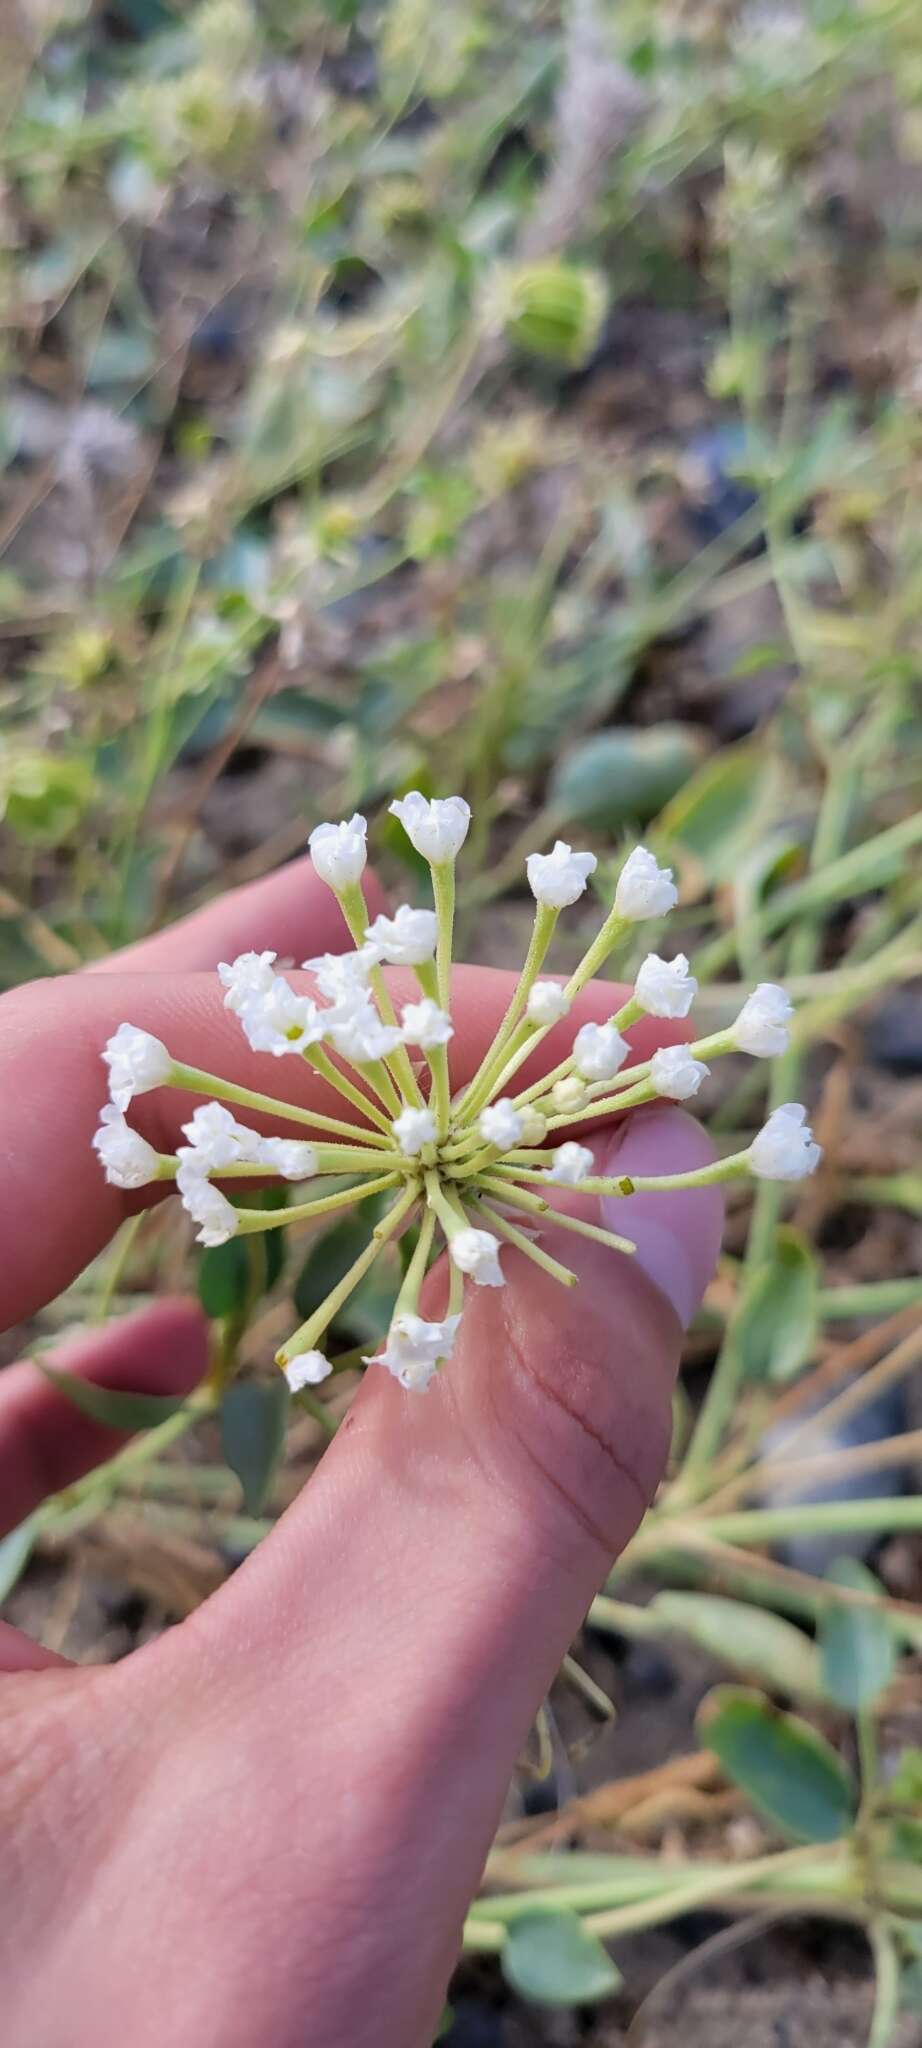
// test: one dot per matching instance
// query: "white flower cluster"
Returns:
(456, 1161)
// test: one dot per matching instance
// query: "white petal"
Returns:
(558, 879)
(644, 888)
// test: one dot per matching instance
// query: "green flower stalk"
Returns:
(475, 1171)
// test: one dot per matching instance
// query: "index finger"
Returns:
(56, 1210)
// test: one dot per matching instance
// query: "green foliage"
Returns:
(358, 484)
(761, 1645)
(790, 1773)
(554, 1959)
(109, 1405)
(254, 1415)
(857, 1645)
(15, 1551)
(622, 777)
(778, 1317)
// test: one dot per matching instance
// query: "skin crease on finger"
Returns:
(262, 1830)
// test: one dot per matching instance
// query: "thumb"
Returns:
(411, 1609)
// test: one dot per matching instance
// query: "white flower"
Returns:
(675, 1073)
(290, 1157)
(437, 829)
(785, 1148)
(569, 1095)
(425, 1024)
(218, 1140)
(761, 1027)
(359, 1032)
(664, 988)
(339, 852)
(534, 1125)
(216, 1216)
(477, 1252)
(136, 1062)
(571, 1164)
(406, 939)
(307, 1369)
(414, 1348)
(546, 1004)
(557, 879)
(644, 889)
(413, 1129)
(501, 1124)
(249, 976)
(128, 1159)
(278, 1021)
(599, 1051)
(340, 974)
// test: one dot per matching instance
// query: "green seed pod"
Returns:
(553, 309)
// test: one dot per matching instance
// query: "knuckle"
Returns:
(591, 1410)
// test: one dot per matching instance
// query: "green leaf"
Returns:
(553, 1958)
(330, 1258)
(778, 1317)
(720, 809)
(15, 1551)
(232, 1276)
(790, 1773)
(109, 1405)
(254, 1415)
(764, 1646)
(857, 1648)
(905, 1787)
(224, 1278)
(623, 776)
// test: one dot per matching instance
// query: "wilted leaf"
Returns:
(857, 1648)
(788, 1771)
(253, 1420)
(553, 1958)
(109, 1405)
(777, 1321)
(623, 776)
(762, 1645)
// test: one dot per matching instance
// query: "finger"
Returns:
(45, 1442)
(56, 1210)
(458, 1538)
(291, 910)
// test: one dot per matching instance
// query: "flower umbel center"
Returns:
(471, 1169)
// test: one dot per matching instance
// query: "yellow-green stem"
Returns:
(524, 1244)
(308, 1336)
(253, 1221)
(481, 1087)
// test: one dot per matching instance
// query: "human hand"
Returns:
(263, 1829)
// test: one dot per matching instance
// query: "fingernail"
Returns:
(678, 1232)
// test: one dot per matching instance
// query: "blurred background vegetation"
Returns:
(524, 401)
